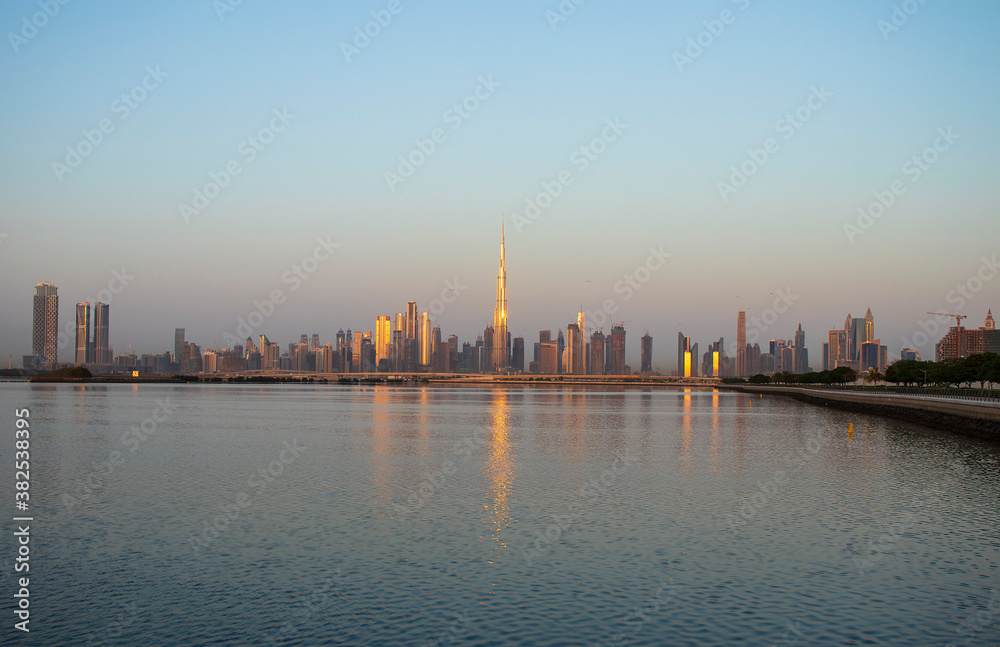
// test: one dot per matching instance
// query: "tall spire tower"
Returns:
(501, 359)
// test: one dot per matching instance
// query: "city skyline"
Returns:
(416, 325)
(813, 152)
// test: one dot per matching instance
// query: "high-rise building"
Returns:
(500, 352)
(84, 347)
(411, 320)
(383, 337)
(575, 360)
(597, 361)
(315, 343)
(646, 354)
(858, 336)
(45, 323)
(178, 345)
(801, 353)
(550, 358)
(617, 351)
(102, 345)
(356, 349)
(517, 356)
(869, 326)
(741, 343)
(685, 362)
(836, 349)
(425, 340)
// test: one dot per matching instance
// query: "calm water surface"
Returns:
(318, 515)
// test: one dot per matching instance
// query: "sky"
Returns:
(322, 163)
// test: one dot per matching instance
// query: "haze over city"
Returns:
(611, 111)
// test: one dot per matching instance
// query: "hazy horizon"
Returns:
(662, 132)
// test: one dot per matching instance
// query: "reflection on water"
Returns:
(500, 469)
(533, 454)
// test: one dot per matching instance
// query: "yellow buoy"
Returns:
(850, 429)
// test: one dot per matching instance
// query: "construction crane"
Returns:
(958, 328)
(958, 318)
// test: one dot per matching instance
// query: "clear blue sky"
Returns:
(324, 176)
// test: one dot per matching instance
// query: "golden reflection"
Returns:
(714, 449)
(686, 432)
(382, 448)
(500, 470)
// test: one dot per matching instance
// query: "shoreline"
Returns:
(962, 417)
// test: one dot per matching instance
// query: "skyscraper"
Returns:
(178, 345)
(684, 360)
(411, 320)
(500, 355)
(383, 337)
(102, 345)
(597, 360)
(575, 360)
(84, 348)
(741, 343)
(869, 326)
(801, 357)
(425, 339)
(517, 356)
(617, 351)
(646, 355)
(45, 323)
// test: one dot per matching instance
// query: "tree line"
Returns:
(982, 369)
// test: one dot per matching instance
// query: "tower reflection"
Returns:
(500, 471)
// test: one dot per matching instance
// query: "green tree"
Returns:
(872, 375)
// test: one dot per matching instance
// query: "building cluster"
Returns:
(855, 346)
(781, 355)
(962, 342)
(92, 331)
(409, 343)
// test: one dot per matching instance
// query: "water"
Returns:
(478, 516)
